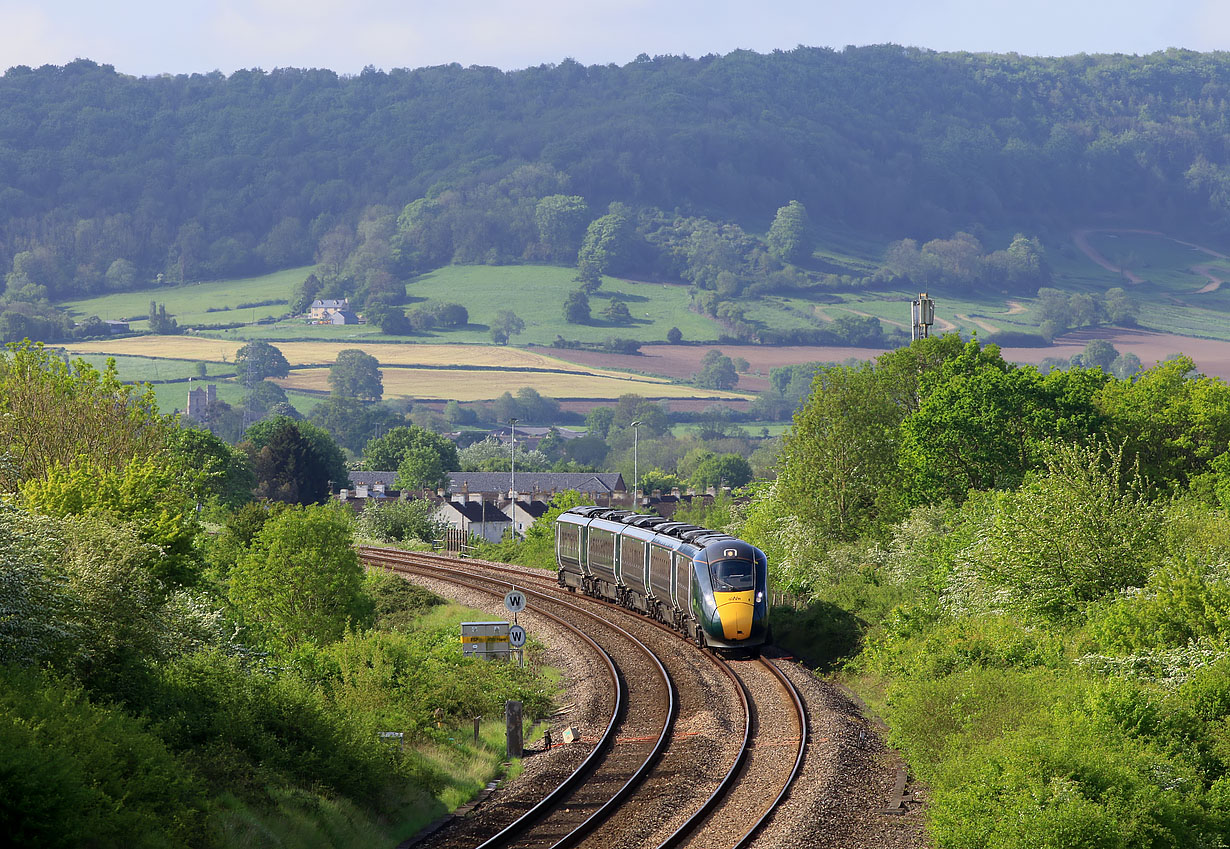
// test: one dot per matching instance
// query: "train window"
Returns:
(732, 576)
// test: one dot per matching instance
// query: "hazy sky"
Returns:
(177, 36)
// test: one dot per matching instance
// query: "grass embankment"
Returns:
(1042, 711)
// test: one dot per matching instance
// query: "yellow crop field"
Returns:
(324, 353)
(472, 385)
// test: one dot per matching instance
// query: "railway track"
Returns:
(715, 776)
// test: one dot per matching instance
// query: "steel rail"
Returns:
(402, 561)
(729, 780)
(801, 709)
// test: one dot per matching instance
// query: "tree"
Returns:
(147, 493)
(576, 308)
(717, 371)
(210, 467)
(421, 468)
(51, 413)
(286, 466)
(393, 322)
(121, 275)
(1171, 420)
(160, 322)
(263, 396)
(617, 312)
(1097, 354)
(607, 246)
(561, 222)
(674, 336)
(982, 423)
(838, 465)
(1067, 537)
(788, 236)
(722, 470)
(388, 452)
(505, 325)
(301, 581)
(356, 374)
(258, 361)
(598, 421)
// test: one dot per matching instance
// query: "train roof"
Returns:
(693, 534)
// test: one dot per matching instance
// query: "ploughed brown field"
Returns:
(682, 361)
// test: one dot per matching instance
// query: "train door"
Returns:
(584, 553)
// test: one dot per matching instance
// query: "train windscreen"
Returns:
(733, 576)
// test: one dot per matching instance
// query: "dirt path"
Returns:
(882, 320)
(1214, 281)
(987, 326)
(1015, 308)
(1081, 238)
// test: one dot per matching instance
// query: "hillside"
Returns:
(204, 176)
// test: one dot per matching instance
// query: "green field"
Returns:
(1169, 298)
(189, 303)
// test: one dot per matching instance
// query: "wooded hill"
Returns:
(107, 181)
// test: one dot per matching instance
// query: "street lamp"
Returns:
(513, 484)
(636, 480)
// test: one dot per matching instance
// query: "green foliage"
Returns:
(982, 423)
(287, 467)
(146, 494)
(257, 361)
(505, 325)
(325, 455)
(788, 237)
(717, 470)
(77, 773)
(356, 374)
(576, 308)
(300, 581)
(1181, 603)
(1070, 536)
(387, 452)
(1172, 421)
(400, 521)
(396, 602)
(51, 413)
(217, 470)
(717, 371)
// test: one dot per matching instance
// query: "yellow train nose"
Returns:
(735, 612)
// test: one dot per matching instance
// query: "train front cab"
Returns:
(729, 599)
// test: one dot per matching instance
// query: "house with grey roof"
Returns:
(322, 308)
(604, 487)
(483, 519)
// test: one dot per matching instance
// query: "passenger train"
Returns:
(708, 585)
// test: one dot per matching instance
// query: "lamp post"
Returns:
(513, 484)
(636, 480)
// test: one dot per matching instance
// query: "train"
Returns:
(708, 585)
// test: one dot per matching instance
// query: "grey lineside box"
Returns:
(485, 639)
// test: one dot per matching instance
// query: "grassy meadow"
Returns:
(189, 303)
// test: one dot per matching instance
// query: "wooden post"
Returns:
(512, 728)
(476, 719)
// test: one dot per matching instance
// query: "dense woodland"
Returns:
(660, 167)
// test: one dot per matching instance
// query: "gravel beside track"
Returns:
(837, 801)
(769, 762)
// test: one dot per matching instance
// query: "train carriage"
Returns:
(709, 585)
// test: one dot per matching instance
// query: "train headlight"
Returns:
(759, 596)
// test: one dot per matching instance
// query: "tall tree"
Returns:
(387, 452)
(789, 236)
(301, 581)
(356, 374)
(259, 360)
(286, 466)
(717, 371)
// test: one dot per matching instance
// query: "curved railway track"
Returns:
(749, 762)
